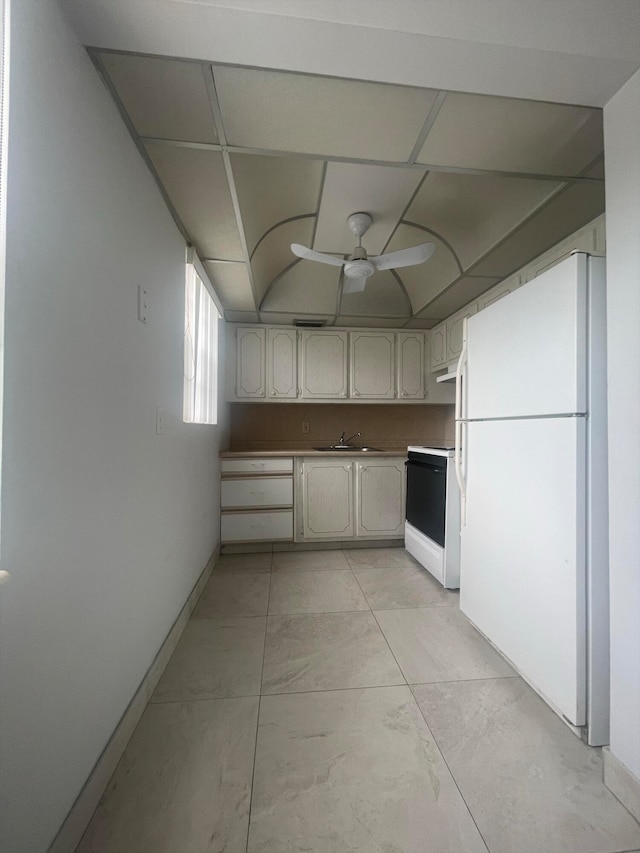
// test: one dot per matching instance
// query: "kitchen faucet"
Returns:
(343, 442)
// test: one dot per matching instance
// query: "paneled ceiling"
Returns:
(250, 160)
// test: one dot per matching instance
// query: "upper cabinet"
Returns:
(455, 328)
(439, 346)
(410, 365)
(282, 364)
(250, 363)
(372, 365)
(323, 364)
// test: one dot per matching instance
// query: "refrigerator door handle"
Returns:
(459, 425)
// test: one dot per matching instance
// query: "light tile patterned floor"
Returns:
(339, 701)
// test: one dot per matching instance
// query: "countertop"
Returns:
(309, 451)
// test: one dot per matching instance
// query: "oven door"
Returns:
(426, 495)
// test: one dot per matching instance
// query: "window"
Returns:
(201, 319)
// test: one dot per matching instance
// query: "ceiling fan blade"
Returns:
(310, 255)
(404, 257)
(354, 285)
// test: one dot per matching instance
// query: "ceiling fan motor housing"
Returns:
(359, 268)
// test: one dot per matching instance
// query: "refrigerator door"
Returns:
(526, 354)
(522, 577)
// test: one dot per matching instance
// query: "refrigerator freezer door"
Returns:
(522, 578)
(527, 353)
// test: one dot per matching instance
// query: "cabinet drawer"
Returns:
(256, 491)
(256, 526)
(274, 465)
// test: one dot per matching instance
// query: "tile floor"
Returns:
(338, 701)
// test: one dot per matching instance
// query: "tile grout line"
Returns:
(455, 781)
(255, 745)
(401, 671)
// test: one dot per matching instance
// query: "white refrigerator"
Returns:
(531, 456)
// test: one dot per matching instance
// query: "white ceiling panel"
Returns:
(561, 217)
(295, 112)
(505, 134)
(196, 183)
(421, 323)
(381, 191)
(311, 288)
(596, 171)
(164, 98)
(271, 189)
(231, 283)
(463, 291)
(473, 213)
(375, 322)
(382, 296)
(274, 254)
(425, 281)
(241, 316)
(288, 319)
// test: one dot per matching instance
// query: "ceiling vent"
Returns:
(309, 324)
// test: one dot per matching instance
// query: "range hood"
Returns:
(447, 377)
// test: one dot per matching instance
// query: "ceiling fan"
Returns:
(358, 266)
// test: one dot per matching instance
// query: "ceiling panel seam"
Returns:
(276, 279)
(407, 206)
(398, 278)
(428, 124)
(226, 159)
(438, 236)
(365, 161)
(323, 178)
(327, 76)
(277, 225)
(214, 103)
(137, 140)
(520, 263)
(533, 213)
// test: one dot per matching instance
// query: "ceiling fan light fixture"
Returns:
(359, 268)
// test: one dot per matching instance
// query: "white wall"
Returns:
(105, 525)
(622, 161)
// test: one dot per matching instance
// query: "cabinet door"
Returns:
(410, 357)
(454, 330)
(323, 364)
(250, 362)
(380, 497)
(327, 499)
(438, 346)
(282, 363)
(372, 365)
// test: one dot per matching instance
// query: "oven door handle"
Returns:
(457, 456)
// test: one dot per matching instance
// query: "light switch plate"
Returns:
(143, 305)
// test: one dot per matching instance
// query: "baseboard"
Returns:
(82, 810)
(621, 782)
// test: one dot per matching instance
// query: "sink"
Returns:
(347, 447)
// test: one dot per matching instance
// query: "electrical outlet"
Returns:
(305, 427)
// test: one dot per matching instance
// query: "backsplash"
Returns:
(279, 426)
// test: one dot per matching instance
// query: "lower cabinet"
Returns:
(256, 500)
(380, 497)
(350, 498)
(327, 499)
